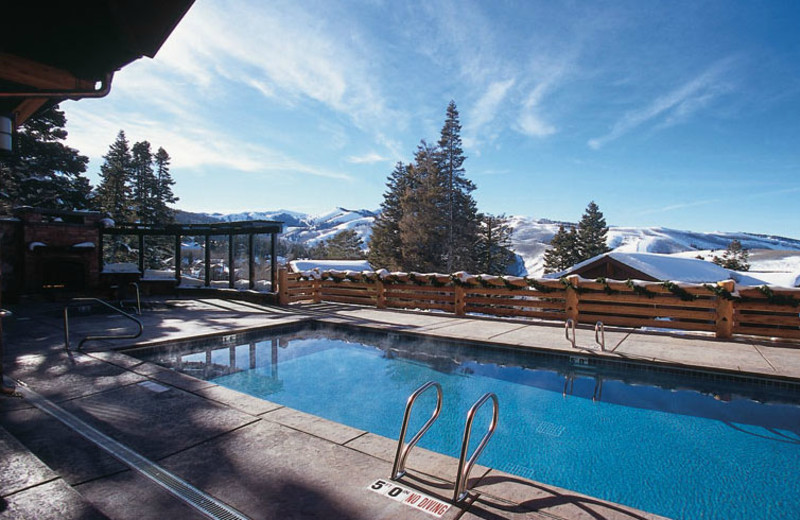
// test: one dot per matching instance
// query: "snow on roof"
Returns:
(673, 268)
(300, 266)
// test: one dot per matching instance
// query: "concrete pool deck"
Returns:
(263, 459)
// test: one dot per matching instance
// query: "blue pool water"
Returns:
(683, 448)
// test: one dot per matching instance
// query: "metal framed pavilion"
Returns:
(249, 228)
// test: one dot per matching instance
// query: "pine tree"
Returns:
(44, 173)
(563, 252)
(144, 182)
(344, 245)
(494, 254)
(423, 227)
(735, 257)
(163, 195)
(385, 246)
(460, 210)
(592, 231)
(114, 194)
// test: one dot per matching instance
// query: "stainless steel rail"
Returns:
(399, 466)
(600, 335)
(570, 325)
(464, 468)
(92, 338)
(138, 298)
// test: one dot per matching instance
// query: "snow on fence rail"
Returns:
(720, 308)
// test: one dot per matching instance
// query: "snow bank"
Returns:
(299, 266)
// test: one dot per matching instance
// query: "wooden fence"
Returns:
(721, 308)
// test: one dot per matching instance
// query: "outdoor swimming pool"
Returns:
(670, 443)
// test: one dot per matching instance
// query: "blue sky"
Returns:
(677, 114)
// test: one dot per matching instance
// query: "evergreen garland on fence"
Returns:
(638, 290)
(539, 286)
(778, 299)
(678, 291)
(721, 292)
(568, 285)
(606, 289)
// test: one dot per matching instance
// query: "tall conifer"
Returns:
(385, 245)
(494, 255)
(144, 182)
(592, 232)
(423, 227)
(44, 173)
(114, 194)
(163, 193)
(563, 251)
(460, 210)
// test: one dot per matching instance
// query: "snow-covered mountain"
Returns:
(531, 237)
(312, 230)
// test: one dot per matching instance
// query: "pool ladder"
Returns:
(599, 334)
(464, 466)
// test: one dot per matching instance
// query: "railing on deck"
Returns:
(721, 308)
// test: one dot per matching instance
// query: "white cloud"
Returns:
(189, 147)
(285, 51)
(369, 158)
(675, 106)
(486, 108)
(530, 121)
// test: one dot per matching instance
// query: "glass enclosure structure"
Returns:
(237, 255)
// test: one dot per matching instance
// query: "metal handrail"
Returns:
(601, 340)
(138, 298)
(92, 338)
(460, 492)
(570, 324)
(399, 466)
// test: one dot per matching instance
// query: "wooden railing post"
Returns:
(316, 290)
(380, 302)
(283, 287)
(723, 316)
(572, 298)
(460, 294)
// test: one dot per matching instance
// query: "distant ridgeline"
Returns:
(530, 239)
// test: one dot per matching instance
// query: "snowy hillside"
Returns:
(772, 258)
(323, 227)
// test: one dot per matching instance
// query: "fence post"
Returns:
(460, 294)
(723, 316)
(380, 301)
(572, 298)
(316, 290)
(283, 287)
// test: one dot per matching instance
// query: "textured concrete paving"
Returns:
(266, 460)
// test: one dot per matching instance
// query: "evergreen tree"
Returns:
(385, 246)
(423, 227)
(563, 252)
(163, 195)
(429, 219)
(44, 173)
(735, 257)
(592, 231)
(344, 245)
(144, 182)
(114, 194)
(493, 248)
(460, 211)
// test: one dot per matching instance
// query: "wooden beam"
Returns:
(27, 108)
(40, 76)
